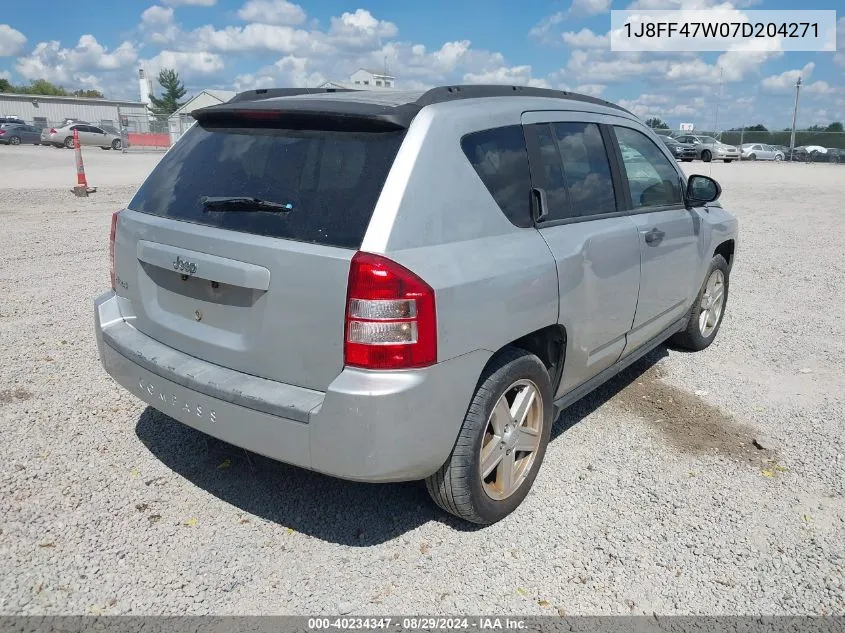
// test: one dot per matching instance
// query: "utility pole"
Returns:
(741, 137)
(718, 100)
(794, 117)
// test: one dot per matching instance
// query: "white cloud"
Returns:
(677, 5)
(594, 90)
(75, 67)
(157, 24)
(11, 41)
(189, 65)
(785, 81)
(195, 3)
(272, 12)
(511, 75)
(585, 38)
(254, 37)
(360, 30)
(589, 7)
(543, 29)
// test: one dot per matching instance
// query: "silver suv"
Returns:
(391, 286)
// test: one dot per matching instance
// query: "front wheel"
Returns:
(116, 144)
(707, 312)
(778, 158)
(752, 157)
(706, 156)
(501, 444)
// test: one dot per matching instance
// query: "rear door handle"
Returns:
(654, 237)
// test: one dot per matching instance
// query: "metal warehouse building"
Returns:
(49, 111)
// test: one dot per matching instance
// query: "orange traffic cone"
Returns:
(81, 189)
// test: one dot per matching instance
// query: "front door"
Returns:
(597, 257)
(668, 235)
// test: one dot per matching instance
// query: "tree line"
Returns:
(659, 124)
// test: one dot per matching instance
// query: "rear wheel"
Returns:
(706, 156)
(15, 140)
(706, 315)
(501, 444)
(752, 157)
(69, 142)
(729, 160)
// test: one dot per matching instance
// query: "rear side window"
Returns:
(331, 180)
(500, 159)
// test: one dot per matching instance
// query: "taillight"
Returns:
(111, 247)
(391, 320)
(52, 130)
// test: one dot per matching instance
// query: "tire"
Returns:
(69, 142)
(706, 156)
(752, 157)
(686, 160)
(729, 160)
(696, 337)
(458, 487)
(116, 144)
(778, 158)
(14, 140)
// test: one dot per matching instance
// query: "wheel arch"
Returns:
(547, 343)
(726, 250)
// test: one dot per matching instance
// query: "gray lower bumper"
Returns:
(367, 426)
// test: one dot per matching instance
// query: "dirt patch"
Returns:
(11, 395)
(688, 421)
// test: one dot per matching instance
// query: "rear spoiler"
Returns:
(307, 114)
(271, 93)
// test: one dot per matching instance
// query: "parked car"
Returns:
(413, 290)
(761, 151)
(88, 135)
(708, 148)
(681, 151)
(11, 119)
(18, 133)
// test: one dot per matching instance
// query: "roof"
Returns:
(377, 73)
(372, 109)
(349, 85)
(220, 95)
(69, 98)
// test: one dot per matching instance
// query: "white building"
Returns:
(48, 111)
(363, 79)
(181, 120)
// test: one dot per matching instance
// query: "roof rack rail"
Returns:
(269, 93)
(478, 91)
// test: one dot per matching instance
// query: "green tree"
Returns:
(834, 127)
(5, 86)
(172, 90)
(44, 87)
(657, 123)
(91, 94)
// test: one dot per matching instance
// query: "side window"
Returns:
(586, 168)
(91, 128)
(652, 179)
(501, 161)
(549, 175)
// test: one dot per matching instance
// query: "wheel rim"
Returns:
(15, 140)
(511, 440)
(69, 142)
(116, 144)
(712, 303)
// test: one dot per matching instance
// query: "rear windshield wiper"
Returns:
(243, 203)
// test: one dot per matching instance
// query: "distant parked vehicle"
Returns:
(88, 135)
(681, 151)
(761, 151)
(708, 148)
(18, 134)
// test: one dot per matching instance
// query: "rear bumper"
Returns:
(367, 426)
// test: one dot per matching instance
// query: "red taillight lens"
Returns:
(391, 320)
(2, 132)
(111, 246)
(52, 130)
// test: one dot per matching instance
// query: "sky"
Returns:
(562, 44)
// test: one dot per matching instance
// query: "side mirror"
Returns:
(702, 189)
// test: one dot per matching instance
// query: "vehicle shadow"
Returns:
(342, 512)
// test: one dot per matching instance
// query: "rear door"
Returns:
(259, 292)
(596, 248)
(668, 241)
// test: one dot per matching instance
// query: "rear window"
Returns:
(331, 180)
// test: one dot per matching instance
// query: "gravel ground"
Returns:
(652, 497)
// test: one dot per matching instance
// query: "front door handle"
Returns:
(654, 237)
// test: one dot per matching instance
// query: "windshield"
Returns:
(329, 181)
